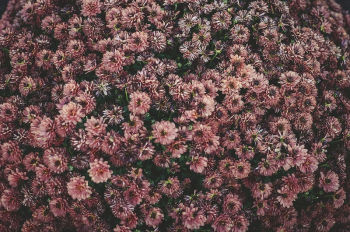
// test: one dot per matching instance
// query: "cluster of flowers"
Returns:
(174, 115)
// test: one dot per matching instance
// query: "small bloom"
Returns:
(78, 188)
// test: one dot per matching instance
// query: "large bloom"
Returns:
(140, 102)
(329, 182)
(78, 188)
(72, 113)
(165, 132)
(99, 171)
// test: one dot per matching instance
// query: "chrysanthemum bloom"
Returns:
(56, 159)
(91, 8)
(58, 207)
(95, 126)
(16, 177)
(140, 102)
(241, 169)
(43, 173)
(198, 163)
(286, 197)
(325, 223)
(26, 85)
(222, 223)
(261, 207)
(339, 197)
(240, 223)
(130, 221)
(329, 182)
(43, 214)
(289, 79)
(10, 200)
(171, 187)
(205, 106)
(154, 217)
(165, 132)
(78, 188)
(138, 41)
(121, 209)
(267, 167)
(231, 204)
(193, 218)
(213, 181)
(113, 60)
(31, 161)
(132, 196)
(10, 151)
(99, 171)
(72, 113)
(261, 190)
(309, 165)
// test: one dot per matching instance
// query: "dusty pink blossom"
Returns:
(99, 171)
(140, 102)
(165, 132)
(78, 188)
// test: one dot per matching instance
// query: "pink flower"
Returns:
(339, 197)
(165, 132)
(222, 223)
(241, 169)
(95, 126)
(198, 163)
(72, 113)
(140, 103)
(232, 204)
(16, 177)
(329, 182)
(113, 61)
(91, 8)
(59, 207)
(286, 197)
(154, 217)
(193, 218)
(10, 200)
(138, 41)
(78, 188)
(205, 106)
(99, 171)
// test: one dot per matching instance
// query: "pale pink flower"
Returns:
(198, 163)
(78, 188)
(99, 171)
(286, 197)
(140, 103)
(193, 218)
(16, 177)
(329, 182)
(154, 217)
(165, 132)
(72, 113)
(58, 207)
(91, 8)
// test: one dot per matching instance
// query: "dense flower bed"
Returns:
(174, 115)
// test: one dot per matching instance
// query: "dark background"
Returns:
(345, 4)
